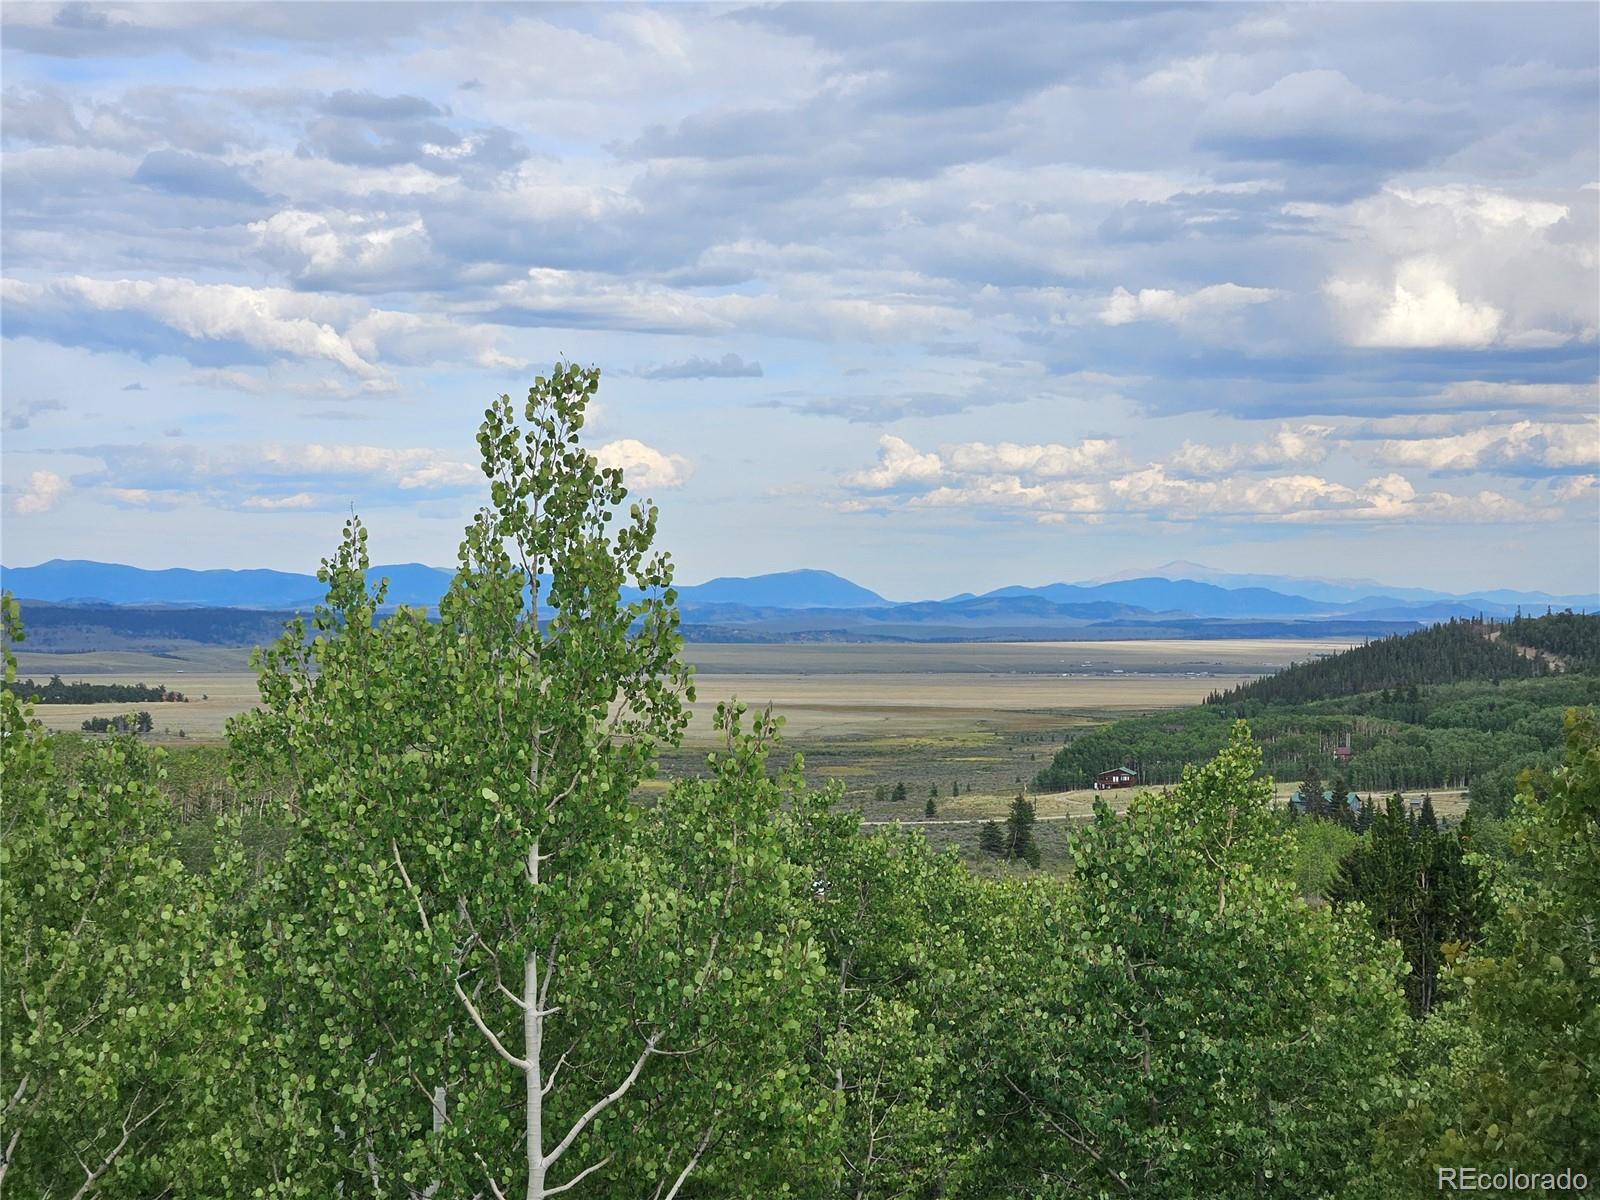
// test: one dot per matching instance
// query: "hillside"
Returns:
(1462, 705)
(1454, 652)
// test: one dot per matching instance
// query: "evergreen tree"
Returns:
(1366, 816)
(930, 809)
(1417, 888)
(900, 793)
(1426, 820)
(933, 791)
(1517, 1060)
(990, 839)
(955, 789)
(1019, 841)
(1339, 802)
(1311, 792)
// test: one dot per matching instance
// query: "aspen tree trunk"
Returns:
(533, 1045)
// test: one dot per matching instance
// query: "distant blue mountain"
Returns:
(1176, 596)
(81, 581)
(785, 589)
(1351, 594)
(763, 598)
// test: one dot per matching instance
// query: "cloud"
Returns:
(1464, 267)
(643, 466)
(1320, 117)
(273, 475)
(20, 416)
(898, 463)
(342, 250)
(408, 469)
(1094, 481)
(1290, 446)
(729, 366)
(1047, 461)
(1161, 304)
(41, 492)
(194, 175)
(300, 500)
(238, 381)
(205, 322)
(1421, 310)
(1526, 447)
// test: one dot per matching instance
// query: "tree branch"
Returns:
(605, 1102)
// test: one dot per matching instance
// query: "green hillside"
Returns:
(1464, 705)
(1455, 652)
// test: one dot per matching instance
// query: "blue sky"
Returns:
(940, 298)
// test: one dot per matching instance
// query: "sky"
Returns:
(941, 298)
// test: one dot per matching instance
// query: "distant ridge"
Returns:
(82, 581)
(781, 599)
(784, 589)
(1344, 591)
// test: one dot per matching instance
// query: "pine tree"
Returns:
(1427, 820)
(990, 839)
(1311, 792)
(1019, 841)
(1366, 816)
(1339, 802)
(955, 789)
(900, 793)
(930, 810)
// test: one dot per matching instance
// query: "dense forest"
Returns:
(1453, 652)
(469, 962)
(1473, 733)
(80, 692)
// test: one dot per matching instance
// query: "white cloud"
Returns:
(347, 249)
(898, 463)
(1290, 446)
(408, 469)
(1049, 461)
(1522, 446)
(299, 500)
(41, 492)
(1576, 486)
(1162, 304)
(644, 466)
(1421, 309)
(1023, 481)
(1463, 267)
(295, 325)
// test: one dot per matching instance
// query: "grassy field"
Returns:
(984, 716)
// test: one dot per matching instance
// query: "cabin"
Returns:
(1117, 777)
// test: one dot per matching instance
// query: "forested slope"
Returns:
(1454, 652)
(1464, 705)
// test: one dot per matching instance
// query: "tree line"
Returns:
(1477, 735)
(79, 692)
(479, 966)
(1452, 652)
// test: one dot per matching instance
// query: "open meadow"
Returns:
(975, 718)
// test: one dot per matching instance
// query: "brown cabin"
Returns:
(1117, 777)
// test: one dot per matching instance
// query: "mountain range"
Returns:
(1168, 601)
